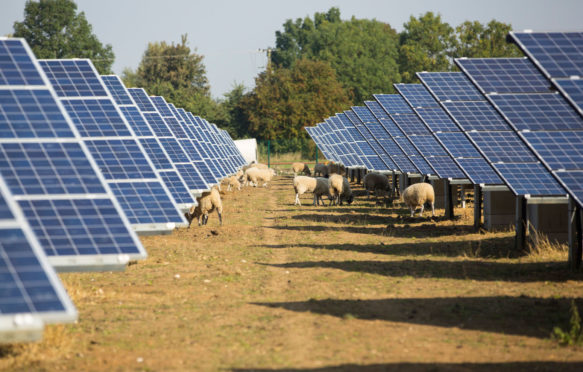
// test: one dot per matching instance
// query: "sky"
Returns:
(231, 34)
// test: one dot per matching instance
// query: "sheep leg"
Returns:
(200, 220)
(220, 218)
(206, 219)
(297, 202)
(421, 212)
(432, 209)
(412, 211)
(367, 194)
(315, 202)
(188, 218)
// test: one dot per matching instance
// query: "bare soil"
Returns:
(285, 288)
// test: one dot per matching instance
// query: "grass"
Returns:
(278, 287)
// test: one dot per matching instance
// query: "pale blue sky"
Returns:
(230, 33)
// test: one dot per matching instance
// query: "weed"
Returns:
(540, 247)
(574, 336)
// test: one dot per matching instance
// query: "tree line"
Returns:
(320, 65)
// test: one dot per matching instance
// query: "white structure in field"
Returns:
(248, 148)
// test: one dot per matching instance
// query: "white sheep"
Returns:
(254, 175)
(207, 202)
(259, 166)
(233, 182)
(340, 189)
(321, 170)
(316, 185)
(376, 182)
(301, 167)
(417, 195)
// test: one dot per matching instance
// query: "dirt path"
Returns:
(280, 287)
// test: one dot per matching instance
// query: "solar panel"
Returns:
(142, 99)
(479, 171)
(571, 180)
(529, 179)
(446, 167)
(501, 147)
(136, 121)
(416, 95)
(177, 187)
(393, 103)
(117, 90)
(557, 54)
(427, 144)
(504, 75)
(17, 66)
(480, 116)
(537, 111)
(572, 89)
(114, 147)
(31, 293)
(454, 86)
(560, 150)
(384, 162)
(437, 119)
(410, 124)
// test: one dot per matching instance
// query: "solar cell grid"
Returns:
(117, 90)
(421, 164)
(428, 145)
(393, 103)
(458, 145)
(73, 78)
(174, 150)
(190, 175)
(136, 121)
(141, 99)
(176, 186)
(445, 167)
(504, 75)
(529, 179)
(16, 65)
(156, 153)
(377, 110)
(161, 106)
(410, 124)
(504, 147)
(537, 111)
(31, 114)
(157, 124)
(572, 89)
(479, 171)
(437, 119)
(560, 150)
(454, 86)
(480, 116)
(572, 181)
(416, 95)
(96, 118)
(120, 159)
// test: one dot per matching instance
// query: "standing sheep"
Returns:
(417, 195)
(376, 182)
(254, 175)
(207, 202)
(233, 182)
(321, 170)
(316, 185)
(340, 189)
(301, 167)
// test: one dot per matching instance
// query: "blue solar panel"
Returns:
(117, 89)
(175, 127)
(192, 178)
(560, 150)
(384, 162)
(572, 182)
(416, 95)
(16, 65)
(479, 171)
(142, 100)
(479, 116)
(572, 89)
(504, 75)
(437, 119)
(174, 150)
(73, 78)
(96, 117)
(120, 159)
(377, 110)
(410, 124)
(157, 124)
(446, 167)
(161, 106)
(537, 111)
(458, 145)
(31, 114)
(428, 145)
(529, 179)
(48, 168)
(558, 54)
(136, 120)
(177, 187)
(504, 147)
(158, 206)
(393, 103)
(156, 153)
(421, 164)
(453, 86)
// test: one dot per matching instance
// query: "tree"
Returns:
(478, 41)
(285, 100)
(363, 52)
(426, 45)
(53, 29)
(236, 124)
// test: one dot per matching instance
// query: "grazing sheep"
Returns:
(321, 170)
(233, 182)
(301, 167)
(336, 168)
(254, 175)
(207, 202)
(376, 182)
(340, 189)
(417, 195)
(259, 166)
(316, 185)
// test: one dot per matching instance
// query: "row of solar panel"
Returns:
(85, 164)
(501, 121)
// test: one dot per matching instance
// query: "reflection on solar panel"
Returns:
(31, 293)
(115, 149)
(59, 179)
(504, 75)
(537, 111)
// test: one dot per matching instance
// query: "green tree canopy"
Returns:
(476, 40)
(426, 45)
(286, 99)
(53, 29)
(363, 52)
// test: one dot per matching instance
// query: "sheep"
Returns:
(207, 202)
(336, 168)
(259, 166)
(340, 189)
(376, 182)
(301, 167)
(316, 185)
(417, 195)
(254, 175)
(321, 170)
(233, 182)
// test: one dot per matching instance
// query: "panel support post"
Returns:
(352, 175)
(575, 236)
(394, 185)
(477, 207)
(448, 201)
(359, 176)
(520, 224)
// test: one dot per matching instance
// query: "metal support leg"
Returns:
(575, 236)
(394, 185)
(520, 224)
(358, 176)
(477, 206)
(448, 201)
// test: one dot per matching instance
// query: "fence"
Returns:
(282, 153)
